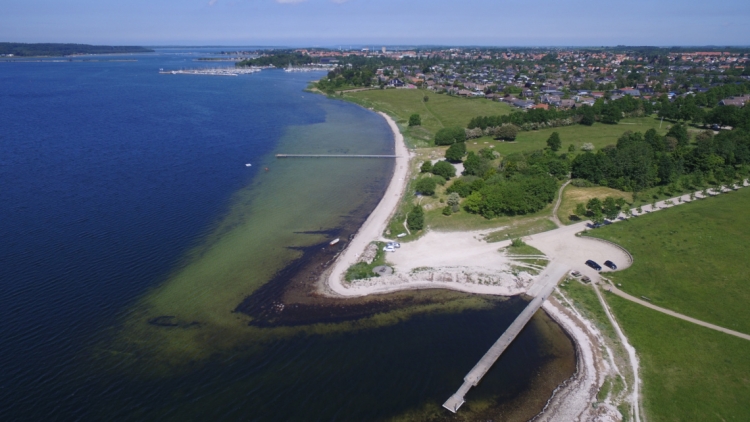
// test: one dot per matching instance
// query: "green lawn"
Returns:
(439, 111)
(688, 372)
(691, 258)
(600, 135)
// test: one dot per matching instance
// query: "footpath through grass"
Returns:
(691, 258)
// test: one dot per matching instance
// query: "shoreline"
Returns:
(570, 398)
(376, 222)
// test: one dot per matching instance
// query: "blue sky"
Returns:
(377, 22)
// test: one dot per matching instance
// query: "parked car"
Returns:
(389, 249)
(594, 265)
(610, 264)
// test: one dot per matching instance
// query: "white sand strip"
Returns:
(378, 219)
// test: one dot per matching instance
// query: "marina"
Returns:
(221, 71)
(334, 156)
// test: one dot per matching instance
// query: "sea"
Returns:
(158, 261)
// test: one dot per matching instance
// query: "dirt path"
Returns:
(624, 295)
(555, 219)
(635, 398)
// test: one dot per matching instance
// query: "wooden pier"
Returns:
(334, 156)
(544, 285)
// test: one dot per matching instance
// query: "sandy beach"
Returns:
(375, 224)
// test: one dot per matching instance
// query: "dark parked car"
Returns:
(594, 265)
(610, 264)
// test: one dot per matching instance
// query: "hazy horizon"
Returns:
(333, 23)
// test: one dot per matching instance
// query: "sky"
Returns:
(334, 23)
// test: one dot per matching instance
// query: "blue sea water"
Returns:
(110, 173)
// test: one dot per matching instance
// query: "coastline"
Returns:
(573, 397)
(376, 222)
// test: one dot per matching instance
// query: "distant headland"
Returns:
(12, 49)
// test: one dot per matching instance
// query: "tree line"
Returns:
(640, 161)
(609, 112)
(52, 49)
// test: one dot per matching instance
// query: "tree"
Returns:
(415, 219)
(426, 167)
(571, 148)
(426, 98)
(426, 186)
(594, 205)
(450, 135)
(611, 113)
(611, 210)
(580, 209)
(553, 142)
(680, 133)
(456, 152)
(598, 217)
(506, 132)
(444, 169)
(415, 120)
(589, 117)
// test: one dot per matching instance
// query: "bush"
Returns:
(447, 210)
(588, 146)
(415, 219)
(488, 153)
(415, 120)
(517, 242)
(476, 165)
(450, 135)
(506, 132)
(465, 185)
(456, 152)
(426, 167)
(444, 169)
(453, 199)
(426, 186)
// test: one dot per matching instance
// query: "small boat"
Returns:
(334, 241)
(248, 165)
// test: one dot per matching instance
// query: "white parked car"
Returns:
(389, 249)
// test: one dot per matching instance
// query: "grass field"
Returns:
(600, 135)
(689, 373)
(691, 258)
(438, 112)
(573, 195)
